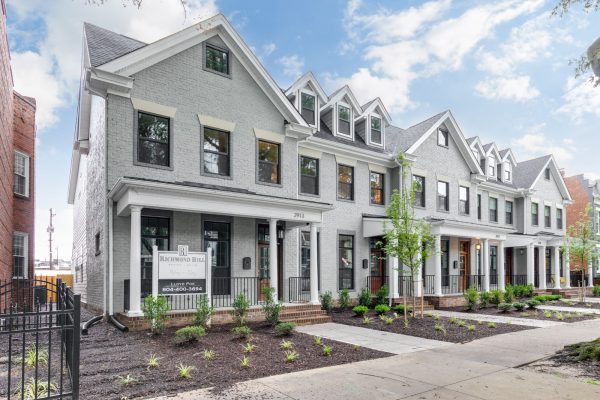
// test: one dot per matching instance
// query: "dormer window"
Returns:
(344, 120)
(507, 172)
(442, 137)
(307, 107)
(491, 166)
(376, 137)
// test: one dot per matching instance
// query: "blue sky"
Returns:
(501, 67)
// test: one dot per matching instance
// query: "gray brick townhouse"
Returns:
(189, 141)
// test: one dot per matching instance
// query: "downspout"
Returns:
(110, 258)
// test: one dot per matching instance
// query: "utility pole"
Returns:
(50, 231)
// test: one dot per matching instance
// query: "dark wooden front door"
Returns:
(508, 262)
(378, 268)
(536, 267)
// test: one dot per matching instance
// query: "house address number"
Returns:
(299, 215)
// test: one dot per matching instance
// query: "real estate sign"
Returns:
(181, 272)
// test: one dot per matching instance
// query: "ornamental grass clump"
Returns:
(440, 328)
(291, 356)
(318, 340)
(185, 371)
(327, 350)
(344, 299)
(286, 345)
(366, 320)
(249, 347)
(471, 328)
(245, 362)
(152, 361)
(491, 325)
(208, 355)
(285, 328)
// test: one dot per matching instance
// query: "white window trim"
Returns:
(487, 164)
(26, 256)
(372, 143)
(507, 167)
(27, 173)
(317, 113)
(447, 134)
(337, 119)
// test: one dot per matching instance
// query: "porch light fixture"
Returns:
(280, 234)
(478, 246)
(521, 251)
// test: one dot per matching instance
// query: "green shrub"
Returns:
(242, 331)
(471, 296)
(327, 350)
(344, 299)
(189, 334)
(382, 294)
(241, 305)
(509, 294)
(203, 312)
(542, 298)
(364, 297)
(585, 350)
(271, 308)
(381, 309)
(285, 328)
(155, 311)
(532, 303)
(505, 307)
(496, 297)
(366, 320)
(360, 310)
(491, 325)
(524, 290)
(471, 328)
(596, 290)
(327, 301)
(399, 308)
(485, 299)
(519, 306)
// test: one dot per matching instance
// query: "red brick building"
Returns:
(17, 174)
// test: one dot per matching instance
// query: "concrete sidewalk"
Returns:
(565, 309)
(371, 338)
(481, 369)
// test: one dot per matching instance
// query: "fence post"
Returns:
(76, 345)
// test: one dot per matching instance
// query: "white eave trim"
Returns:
(343, 150)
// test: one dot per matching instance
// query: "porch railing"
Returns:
(429, 284)
(224, 291)
(405, 285)
(516, 279)
(374, 282)
(299, 289)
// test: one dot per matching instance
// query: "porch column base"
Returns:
(135, 313)
(542, 267)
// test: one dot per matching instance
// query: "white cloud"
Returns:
(292, 65)
(536, 143)
(269, 48)
(580, 98)
(58, 57)
(405, 45)
(527, 43)
(62, 237)
(517, 88)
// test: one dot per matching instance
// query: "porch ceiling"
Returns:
(191, 197)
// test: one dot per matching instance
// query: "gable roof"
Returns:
(338, 95)
(472, 140)
(505, 154)
(491, 148)
(143, 57)
(104, 45)
(370, 106)
(412, 134)
(527, 172)
(325, 133)
(305, 79)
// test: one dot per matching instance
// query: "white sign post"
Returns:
(181, 272)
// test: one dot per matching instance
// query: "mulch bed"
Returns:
(565, 363)
(107, 353)
(425, 327)
(528, 313)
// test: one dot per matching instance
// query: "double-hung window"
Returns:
(20, 254)
(463, 200)
(344, 120)
(307, 107)
(534, 214)
(491, 166)
(154, 232)
(559, 218)
(216, 59)
(419, 185)
(346, 262)
(547, 217)
(21, 173)
(268, 162)
(493, 205)
(345, 182)
(508, 209)
(216, 152)
(442, 197)
(376, 136)
(478, 206)
(442, 137)
(377, 193)
(153, 139)
(309, 175)
(507, 172)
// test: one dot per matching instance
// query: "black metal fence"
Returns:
(516, 279)
(40, 338)
(375, 282)
(299, 289)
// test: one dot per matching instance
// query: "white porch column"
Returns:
(273, 278)
(501, 269)
(314, 273)
(437, 266)
(556, 262)
(394, 286)
(135, 262)
(567, 264)
(590, 272)
(530, 268)
(542, 267)
(486, 265)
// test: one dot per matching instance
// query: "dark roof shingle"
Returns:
(104, 45)
(526, 172)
